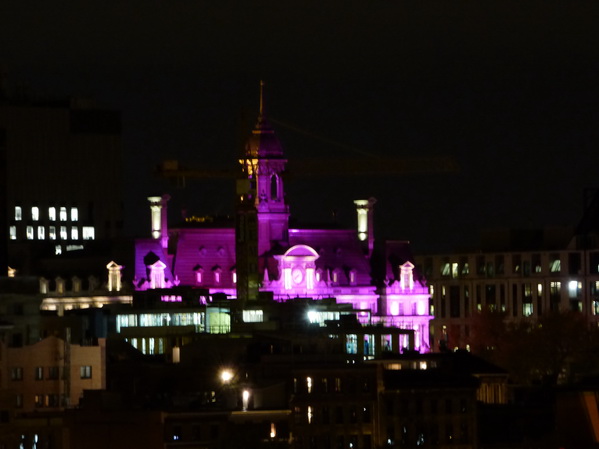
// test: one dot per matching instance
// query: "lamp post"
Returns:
(245, 396)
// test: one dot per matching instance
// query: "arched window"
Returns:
(274, 187)
(199, 276)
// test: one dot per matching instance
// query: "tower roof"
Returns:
(263, 143)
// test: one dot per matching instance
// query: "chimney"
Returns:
(159, 220)
(365, 211)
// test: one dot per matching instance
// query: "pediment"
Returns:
(301, 251)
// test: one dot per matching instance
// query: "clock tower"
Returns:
(264, 165)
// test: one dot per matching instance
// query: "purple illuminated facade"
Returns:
(289, 263)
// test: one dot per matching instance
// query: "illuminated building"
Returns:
(427, 400)
(262, 255)
(63, 186)
(525, 274)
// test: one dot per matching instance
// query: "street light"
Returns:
(226, 375)
(246, 399)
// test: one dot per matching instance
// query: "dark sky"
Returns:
(509, 89)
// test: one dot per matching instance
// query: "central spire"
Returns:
(261, 113)
(263, 143)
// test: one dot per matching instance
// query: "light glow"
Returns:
(226, 376)
(246, 399)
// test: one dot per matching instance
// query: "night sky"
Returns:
(508, 89)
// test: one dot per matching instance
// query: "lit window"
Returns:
(52, 213)
(445, 269)
(63, 214)
(52, 232)
(309, 384)
(199, 276)
(59, 285)
(41, 233)
(75, 233)
(454, 270)
(217, 277)
(253, 316)
(287, 278)
(234, 277)
(310, 414)
(39, 400)
(338, 386)
(574, 289)
(466, 268)
(63, 233)
(555, 288)
(13, 232)
(85, 372)
(35, 213)
(351, 344)
(74, 214)
(18, 213)
(29, 233)
(527, 309)
(88, 233)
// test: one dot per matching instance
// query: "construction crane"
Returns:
(363, 164)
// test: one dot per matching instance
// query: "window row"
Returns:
(325, 385)
(54, 233)
(435, 434)
(49, 373)
(457, 301)
(44, 400)
(420, 405)
(323, 414)
(62, 213)
(517, 264)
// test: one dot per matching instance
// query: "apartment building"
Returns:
(525, 274)
(51, 374)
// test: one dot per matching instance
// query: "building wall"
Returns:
(523, 284)
(70, 152)
(51, 375)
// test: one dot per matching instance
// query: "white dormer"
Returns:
(406, 276)
(114, 276)
(157, 274)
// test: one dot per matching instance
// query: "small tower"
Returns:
(365, 211)
(264, 165)
(159, 220)
(262, 215)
